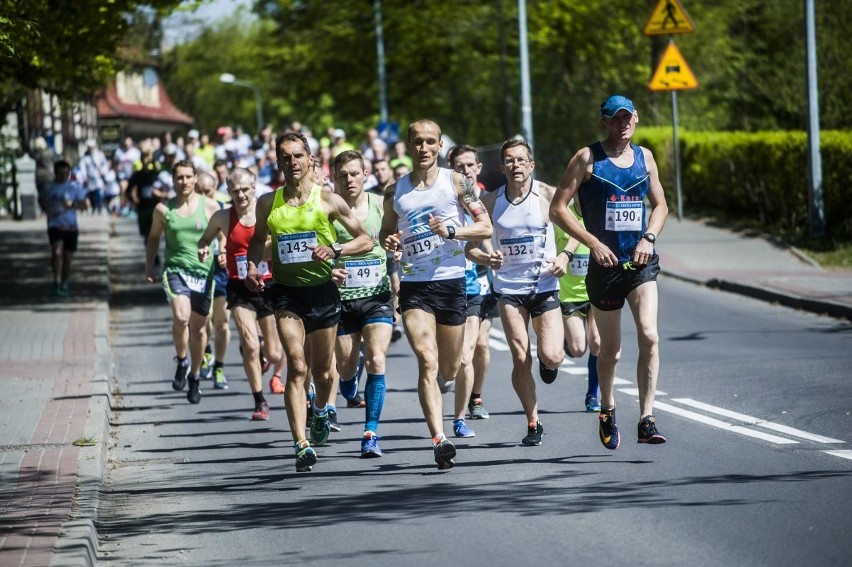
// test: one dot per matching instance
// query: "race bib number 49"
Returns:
(624, 216)
(363, 273)
(296, 247)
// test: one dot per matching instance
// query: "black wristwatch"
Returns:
(650, 237)
(452, 232)
(337, 249)
(569, 254)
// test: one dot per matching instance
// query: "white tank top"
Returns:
(527, 242)
(425, 255)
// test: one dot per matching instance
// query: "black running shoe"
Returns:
(193, 394)
(608, 430)
(445, 452)
(356, 402)
(548, 375)
(333, 424)
(179, 382)
(648, 431)
(534, 434)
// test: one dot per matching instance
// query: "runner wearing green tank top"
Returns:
(298, 217)
(187, 281)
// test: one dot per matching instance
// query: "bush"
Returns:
(759, 177)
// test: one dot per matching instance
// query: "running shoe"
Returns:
(179, 382)
(261, 412)
(445, 452)
(460, 429)
(320, 429)
(219, 380)
(306, 458)
(476, 409)
(533, 438)
(370, 446)
(332, 420)
(648, 431)
(64, 291)
(206, 367)
(445, 385)
(548, 375)
(276, 384)
(592, 403)
(608, 430)
(356, 402)
(194, 393)
(396, 334)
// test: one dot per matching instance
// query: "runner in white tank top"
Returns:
(526, 271)
(423, 219)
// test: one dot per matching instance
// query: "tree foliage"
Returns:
(66, 47)
(457, 62)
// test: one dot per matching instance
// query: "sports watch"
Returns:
(337, 249)
(650, 237)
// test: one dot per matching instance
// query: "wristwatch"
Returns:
(650, 237)
(337, 249)
(452, 230)
(569, 254)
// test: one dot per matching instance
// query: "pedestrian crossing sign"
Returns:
(673, 74)
(668, 18)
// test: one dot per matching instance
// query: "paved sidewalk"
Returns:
(55, 365)
(54, 377)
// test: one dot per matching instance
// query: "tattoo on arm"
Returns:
(471, 199)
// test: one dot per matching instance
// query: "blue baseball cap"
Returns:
(615, 103)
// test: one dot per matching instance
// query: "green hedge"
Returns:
(760, 177)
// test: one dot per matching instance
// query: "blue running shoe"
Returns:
(608, 430)
(370, 446)
(592, 403)
(206, 367)
(460, 429)
(320, 428)
(306, 458)
(445, 452)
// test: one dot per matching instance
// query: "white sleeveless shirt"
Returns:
(527, 240)
(425, 255)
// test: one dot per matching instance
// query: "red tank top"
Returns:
(236, 249)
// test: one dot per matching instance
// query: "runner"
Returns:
(612, 179)
(526, 271)
(367, 306)
(299, 217)
(187, 281)
(423, 218)
(250, 309)
(61, 199)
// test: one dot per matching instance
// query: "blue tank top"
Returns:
(613, 202)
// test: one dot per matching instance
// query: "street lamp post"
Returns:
(230, 79)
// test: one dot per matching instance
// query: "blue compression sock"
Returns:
(593, 375)
(375, 397)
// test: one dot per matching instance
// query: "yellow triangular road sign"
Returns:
(672, 74)
(668, 18)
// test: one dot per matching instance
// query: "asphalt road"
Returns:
(754, 399)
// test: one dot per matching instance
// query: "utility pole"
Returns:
(816, 206)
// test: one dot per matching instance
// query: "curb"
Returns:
(827, 308)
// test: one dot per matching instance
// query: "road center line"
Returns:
(841, 454)
(757, 421)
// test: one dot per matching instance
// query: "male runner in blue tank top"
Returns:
(612, 179)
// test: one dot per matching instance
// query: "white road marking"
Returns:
(620, 381)
(575, 371)
(722, 424)
(757, 421)
(841, 454)
(497, 345)
(635, 392)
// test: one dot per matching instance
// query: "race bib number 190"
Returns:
(296, 247)
(622, 216)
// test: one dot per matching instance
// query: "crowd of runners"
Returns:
(324, 261)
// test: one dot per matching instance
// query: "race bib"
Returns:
(419, 246)
(196, 284)
(622, 216)
(518, 250)
(579, 265)
(363, 273)
(242, 267)
(296, 247)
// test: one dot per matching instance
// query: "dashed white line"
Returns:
(723, 424)
(757, 421)
(841, 454)
(635, 392)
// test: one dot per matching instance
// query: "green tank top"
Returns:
(367, 273)
(572, 286)
(295, 231)
(182, 234)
